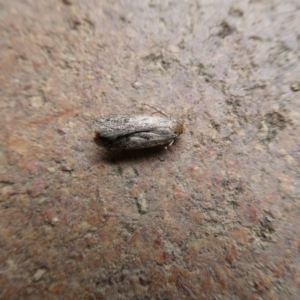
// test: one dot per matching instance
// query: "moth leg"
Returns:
(170, 144)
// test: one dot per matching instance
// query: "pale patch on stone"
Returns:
(39, 274)
(36, 101)
(142, 203)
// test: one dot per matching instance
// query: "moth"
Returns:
(125, 131)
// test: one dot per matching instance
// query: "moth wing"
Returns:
(114, 126)
(149, 139)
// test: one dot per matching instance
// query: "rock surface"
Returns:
(219, 214)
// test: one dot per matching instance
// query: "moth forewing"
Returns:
(123, 131)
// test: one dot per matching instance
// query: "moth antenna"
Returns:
(157, 110)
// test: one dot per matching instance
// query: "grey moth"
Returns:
(125, 131)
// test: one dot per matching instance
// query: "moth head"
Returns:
(179, 128)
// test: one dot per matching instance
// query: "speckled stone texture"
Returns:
(217, 217)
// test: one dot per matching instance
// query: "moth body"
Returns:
(123, 131)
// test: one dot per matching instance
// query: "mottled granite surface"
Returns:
(217, 217)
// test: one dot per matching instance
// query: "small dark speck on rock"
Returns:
(67, 2)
